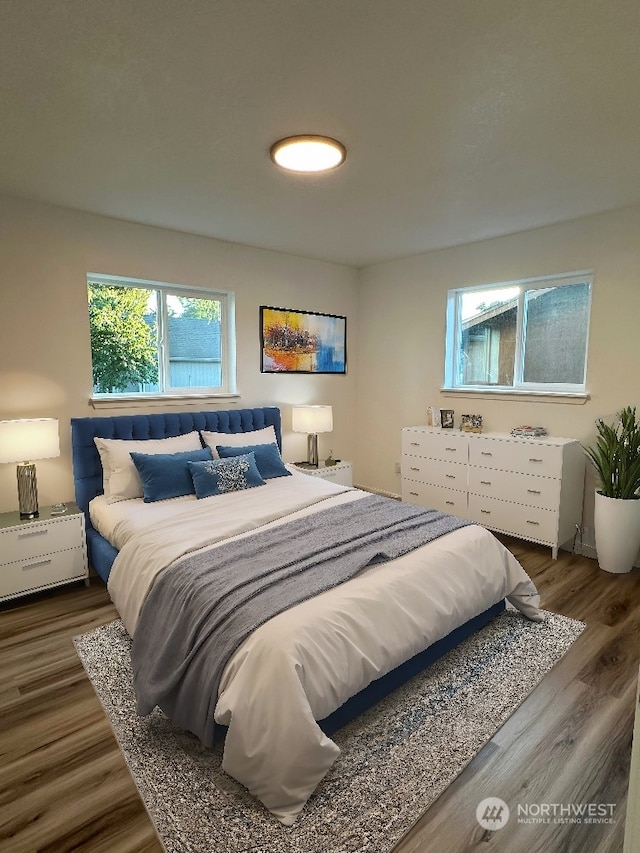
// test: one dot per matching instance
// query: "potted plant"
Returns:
(616, 460)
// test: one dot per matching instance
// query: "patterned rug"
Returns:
(397, 758)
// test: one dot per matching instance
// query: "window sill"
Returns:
(140, 400)
(577, 399)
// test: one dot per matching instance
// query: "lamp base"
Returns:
(27, 490)
(312, 449)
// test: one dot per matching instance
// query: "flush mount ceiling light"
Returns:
(308, 153)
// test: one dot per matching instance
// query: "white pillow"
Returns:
(119, 475)
(238, 439)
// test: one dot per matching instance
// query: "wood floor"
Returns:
(64, 785)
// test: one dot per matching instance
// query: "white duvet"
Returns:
(303, 664)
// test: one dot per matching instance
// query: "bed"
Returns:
(369, 590)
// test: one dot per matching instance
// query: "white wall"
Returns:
(395, 328)
(45, 358)
(401, 335)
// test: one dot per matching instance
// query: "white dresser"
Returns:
(531, 488)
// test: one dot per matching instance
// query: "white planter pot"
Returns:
(617, 530)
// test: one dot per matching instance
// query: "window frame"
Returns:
(227, 388)
(453, 338)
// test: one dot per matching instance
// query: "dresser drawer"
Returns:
(443, 444)
(20, 578)
(434, 497)
(542, 460)
(35, 539)
(525, 521)
(543, 492)
(448, 475)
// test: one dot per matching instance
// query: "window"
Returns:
(526, 336)
(149, 338)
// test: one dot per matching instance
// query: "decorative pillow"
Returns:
(119, 476)
(219, 476)
(267, 456)
(238, 439)
(166, 475)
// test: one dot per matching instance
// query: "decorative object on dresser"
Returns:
(471, 423)
(446, 418)
(531, 488)
(339, 472)
(22, 441)
(433, 417)
(41, 553)
(616, 461)
(312, 420)
(529, 431)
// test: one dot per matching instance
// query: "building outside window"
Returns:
(522, 336)
(152, 338)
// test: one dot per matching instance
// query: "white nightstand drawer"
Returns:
(527, 521)
(445, 444)
(35, 538)
(434, 471)
(341, 473)
(20, 578)
(435, 497)
(539, 459)
(542, 492)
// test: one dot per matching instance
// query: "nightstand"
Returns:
(39, 553)
(340, 473)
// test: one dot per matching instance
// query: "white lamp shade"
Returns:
(29, 439)
(312, 419)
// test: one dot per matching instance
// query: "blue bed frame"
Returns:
(88, 484)
(87, 468)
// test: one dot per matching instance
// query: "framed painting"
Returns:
(293, 341)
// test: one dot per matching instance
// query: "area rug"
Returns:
(397, 758)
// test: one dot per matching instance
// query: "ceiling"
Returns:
(463, 119)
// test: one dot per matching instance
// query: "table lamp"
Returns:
(22, 441)
(312, 420)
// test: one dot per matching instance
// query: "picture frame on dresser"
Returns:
(446, 418)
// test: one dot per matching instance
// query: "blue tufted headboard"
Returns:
(87, 469)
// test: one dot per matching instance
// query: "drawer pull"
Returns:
(450, 503)
(36, 565)
(486, 453)
(414, 494)
(450, 476)
(452, 449)
(41, 532)
(415, 444)
(485, 482)
(537, 523)
(536, 460)
(414, 469)
(533, 491)
(485, 511)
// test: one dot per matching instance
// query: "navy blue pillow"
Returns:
(219, 476)
(268, 458)
(166, 475)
